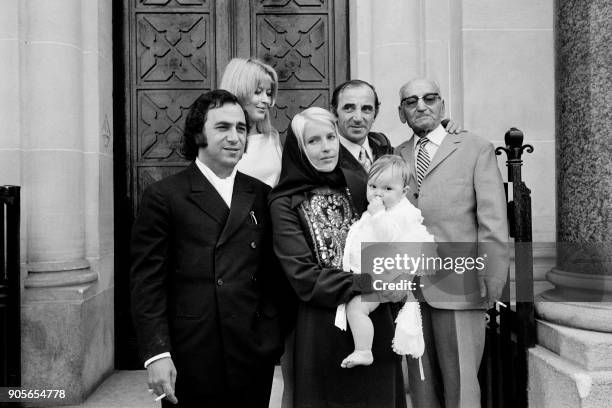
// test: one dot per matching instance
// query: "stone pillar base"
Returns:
(571, 368)
(581, 315)
(67, 330)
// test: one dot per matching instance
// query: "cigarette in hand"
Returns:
(160, 397)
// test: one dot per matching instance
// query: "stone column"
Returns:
(572, 366)
(584, 168)
(66, 342)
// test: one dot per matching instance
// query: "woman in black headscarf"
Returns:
(318, 197)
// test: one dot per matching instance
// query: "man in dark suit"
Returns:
(456, 184)
(356, 104)
(203, 280)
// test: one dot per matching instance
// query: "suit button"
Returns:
(416, 195)
(219, 282)
(253, 245)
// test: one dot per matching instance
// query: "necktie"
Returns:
(364, 159)
(422, 160)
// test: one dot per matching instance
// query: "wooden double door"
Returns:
(167, 52)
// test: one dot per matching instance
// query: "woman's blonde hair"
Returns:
(313, 114)
(242, 77)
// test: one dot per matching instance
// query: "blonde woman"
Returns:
(256, 85)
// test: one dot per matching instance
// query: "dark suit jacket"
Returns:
(204, 280)
(380, 145)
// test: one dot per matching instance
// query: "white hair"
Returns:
(407, 84)
(313, 114)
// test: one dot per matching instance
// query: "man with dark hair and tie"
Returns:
(356, 105)
(204, 280)
(457, 186)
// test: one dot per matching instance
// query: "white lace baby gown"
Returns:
(402, 223)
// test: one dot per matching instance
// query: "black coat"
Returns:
(204, 281)
(318, 346)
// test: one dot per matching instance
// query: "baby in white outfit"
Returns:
(390, 218)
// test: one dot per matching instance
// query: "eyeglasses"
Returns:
(429, 99)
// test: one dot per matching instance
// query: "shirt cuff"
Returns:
(157, 357)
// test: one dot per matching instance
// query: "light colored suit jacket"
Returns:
(462, 200)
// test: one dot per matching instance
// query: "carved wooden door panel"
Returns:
(171, 52)
(172, 61)
(306, 41)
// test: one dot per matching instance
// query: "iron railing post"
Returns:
(10, 287)
(523, 320)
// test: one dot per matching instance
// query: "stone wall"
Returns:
(494, 61)
(56, 142)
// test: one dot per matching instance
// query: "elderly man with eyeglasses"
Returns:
(457, 186)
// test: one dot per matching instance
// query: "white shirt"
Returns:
(225, 187)
(262, 159)
(355, 148)
(436, 137)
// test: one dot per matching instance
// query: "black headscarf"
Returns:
(298, 176)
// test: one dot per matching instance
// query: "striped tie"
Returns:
(364, 159)
(422, 160)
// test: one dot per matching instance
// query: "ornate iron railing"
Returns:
(511, 329)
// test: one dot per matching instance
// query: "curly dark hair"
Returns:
(353, 83)
(193, 136)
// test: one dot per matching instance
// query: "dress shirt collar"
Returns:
(355, 148)
(436, 136)
(224, 186)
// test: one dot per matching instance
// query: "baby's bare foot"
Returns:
(358, 357)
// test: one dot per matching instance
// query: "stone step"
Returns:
(589, 350)
(128, 389)
(555, 382)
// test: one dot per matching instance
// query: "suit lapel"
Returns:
(243, 197)
(356, 178)
(408, 155)
(204, 195)
(449, 145)
(377, 146)
(349, 161)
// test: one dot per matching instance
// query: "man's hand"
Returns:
(491, 289)
(453, 127)
(162, 377)
(376, 206)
